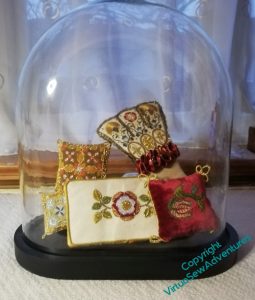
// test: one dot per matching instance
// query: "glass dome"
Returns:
(102, 59)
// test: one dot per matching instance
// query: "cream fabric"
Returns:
(83, 230)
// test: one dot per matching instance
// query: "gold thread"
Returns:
(76, 148)
(203, 171)
(61, 223)
(155, 239)
(138, 109)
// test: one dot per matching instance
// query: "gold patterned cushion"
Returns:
(54, 212)
(78, 161)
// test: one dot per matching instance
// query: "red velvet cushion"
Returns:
(182, 206)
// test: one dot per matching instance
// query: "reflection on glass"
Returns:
(51, 86)
(1, 81)
(249, 84)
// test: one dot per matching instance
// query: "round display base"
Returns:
(121, 263)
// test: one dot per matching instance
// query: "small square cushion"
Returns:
(54, 212)
(78, 161)
(182, 207)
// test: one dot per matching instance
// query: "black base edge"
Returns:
(115, 264)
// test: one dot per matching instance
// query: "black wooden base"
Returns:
(149, 262)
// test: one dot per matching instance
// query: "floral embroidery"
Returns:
(130, 116)
(54, 212)
(79, 170)
(101, 203)
(124, 205)
(159, 135)
(181, 207)
(148, 142)
(93, 157)
(136, 149)
(60, 210)
(143, 125)
(78, 161)
(69, 156)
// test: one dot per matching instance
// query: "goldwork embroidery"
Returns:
(136, 130)
(180, 207)
(54, 212)
(77, 161)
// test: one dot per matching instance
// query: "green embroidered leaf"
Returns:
(194, 189)
(152, 210)
(178, 192)
(106, 200)
(96, 206)
(171, 203)
(147, 212)
(97, 195)
(145, 198)
(97, 217)
(201, 204)
(107, 214)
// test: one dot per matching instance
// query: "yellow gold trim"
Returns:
(155, 239)
(152, 176)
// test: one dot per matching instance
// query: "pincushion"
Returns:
(182, 207)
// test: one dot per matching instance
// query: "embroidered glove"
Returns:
(141, 133)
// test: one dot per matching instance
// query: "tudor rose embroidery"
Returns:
(125, 205)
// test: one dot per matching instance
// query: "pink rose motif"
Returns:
(130, 116)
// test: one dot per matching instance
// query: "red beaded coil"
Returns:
(157, 159)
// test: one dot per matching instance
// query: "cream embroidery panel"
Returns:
(110, 211)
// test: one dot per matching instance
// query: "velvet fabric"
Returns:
(182, 207)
